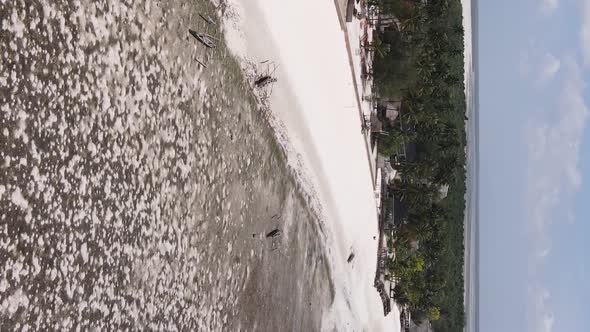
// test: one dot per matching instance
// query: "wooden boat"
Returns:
(204, 38)
(207, 19)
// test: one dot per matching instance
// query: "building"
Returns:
(389, 111)
(443, 192)
(392, 110)
(388, 172)
(378, 189)
(386, 21)
(349, 10)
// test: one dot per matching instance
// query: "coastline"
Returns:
(323, 126)
(339, 4)
(144, 198)
(471, 237)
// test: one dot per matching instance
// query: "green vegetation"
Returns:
(424, 69)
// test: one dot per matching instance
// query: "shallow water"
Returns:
(136, 187)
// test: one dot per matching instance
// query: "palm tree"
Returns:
(377, 45)
(458, 29)
(412, 23)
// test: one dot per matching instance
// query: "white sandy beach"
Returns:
(315, 100)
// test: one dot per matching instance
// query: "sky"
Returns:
(534, 58)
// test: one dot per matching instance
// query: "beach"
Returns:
(145, 185)
(137, 187)
(315, 100)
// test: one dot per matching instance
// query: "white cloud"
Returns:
(544, 253)
(553, 149)
(549, 6)
(538, 66)
(553, 179)
(549, 67)
(585, 32)
(541, 318)
(547, 323)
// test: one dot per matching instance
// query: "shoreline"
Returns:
(146, 215)
(335, 156)
(471, 233)
(343, 25)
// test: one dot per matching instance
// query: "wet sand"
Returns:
(315, 100)
(136, 187)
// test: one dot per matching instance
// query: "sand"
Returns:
(315, 100)
(136, 187)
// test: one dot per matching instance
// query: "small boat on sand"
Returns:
(207, 19)
(204, 38)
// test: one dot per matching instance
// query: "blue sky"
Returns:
(535, 165)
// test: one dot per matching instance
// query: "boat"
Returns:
(204, 38)
(207, 19)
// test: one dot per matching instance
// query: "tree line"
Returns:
(420, 61)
